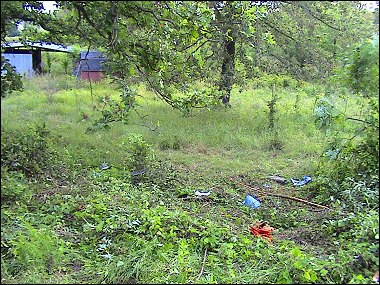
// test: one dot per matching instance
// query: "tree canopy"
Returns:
(171, 44)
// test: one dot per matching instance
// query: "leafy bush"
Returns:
(362, 71)
(325, 111)
(347, 176)
(12, 185)
(357, 235)
(138, 153)
(38, 249)
(350, 174)
(173, 142)
(268, 80)
(26, 151)
(162, 175)
(10, 79)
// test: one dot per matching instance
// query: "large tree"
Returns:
(171, 44)
(310, 36)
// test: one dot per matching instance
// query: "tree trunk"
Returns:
(224, 13)
(228, 70)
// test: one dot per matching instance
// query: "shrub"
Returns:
(268, 80)
(10, 79)
(351, 173)
(26, 151)
(139, 154)
(172, 142)
(12, 185)
(38, 250)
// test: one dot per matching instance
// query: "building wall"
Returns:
(94, 76)
(22, 62)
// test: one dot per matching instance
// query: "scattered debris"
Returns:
(266, 186)
(138, 172)
(306, 179)
(200, 193)
(251, 201)
(104, 166)
(261, 229)
(278, 179)
(280, 196)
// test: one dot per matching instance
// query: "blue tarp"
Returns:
(306, 179)
(251, 201)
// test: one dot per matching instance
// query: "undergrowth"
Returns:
(119, 206)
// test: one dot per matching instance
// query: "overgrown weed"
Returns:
(104, 225)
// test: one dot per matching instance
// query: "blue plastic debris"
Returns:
(104, 166)
(251, 201)
(306, 179)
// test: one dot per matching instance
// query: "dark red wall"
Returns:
(94, 76)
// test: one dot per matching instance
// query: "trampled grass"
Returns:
(109, 227)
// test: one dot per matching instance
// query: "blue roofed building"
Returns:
(27, 57)
(90, 66)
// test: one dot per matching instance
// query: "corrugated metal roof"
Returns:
(94, 64)
(91, 54)
(91, 61)
(45, 46)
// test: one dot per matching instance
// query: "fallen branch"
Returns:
(203, 264)
(281, 196)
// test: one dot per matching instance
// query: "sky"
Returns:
(49, 5)
(370, 4)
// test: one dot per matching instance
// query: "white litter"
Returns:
(199, 193)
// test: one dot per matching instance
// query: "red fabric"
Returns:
(260, 229)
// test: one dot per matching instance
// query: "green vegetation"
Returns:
(65, 220)
(141, 177)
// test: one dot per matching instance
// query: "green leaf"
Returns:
(251, 29)
(131, 70)
(323, 272)
(194, 35)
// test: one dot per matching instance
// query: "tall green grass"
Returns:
(236, 139)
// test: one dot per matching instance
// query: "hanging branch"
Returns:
(281, 196)
(145, 124)
(306, 9)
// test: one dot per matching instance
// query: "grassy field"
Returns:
(77, 223)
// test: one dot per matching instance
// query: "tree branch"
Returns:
(144, 123)
(360, 120)
(88, 19)
(308, 11)
(142, 9)
(155, 89)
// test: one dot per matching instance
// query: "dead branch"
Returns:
(203, 264)
(281, 196)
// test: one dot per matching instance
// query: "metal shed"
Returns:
(90, 66)
(27, 58)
